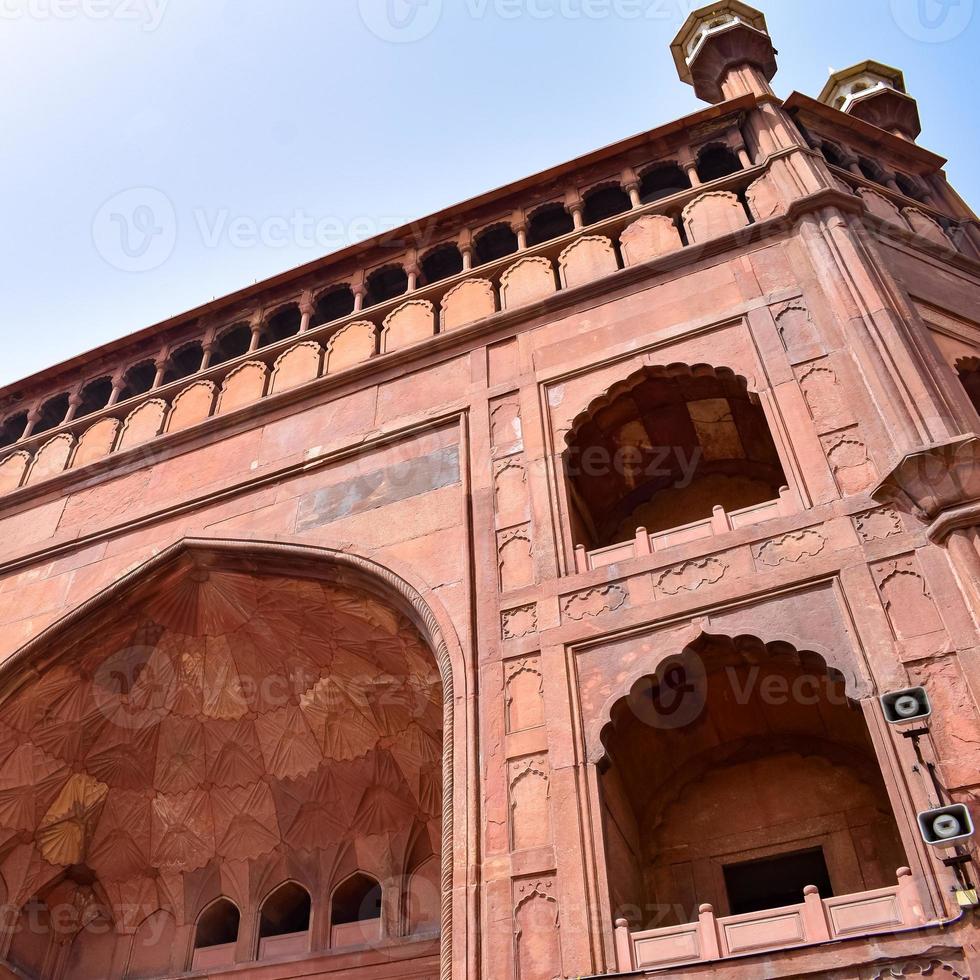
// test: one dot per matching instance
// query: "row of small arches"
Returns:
(443, 261)
(837, 156)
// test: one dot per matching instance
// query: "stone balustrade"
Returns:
(814, 921)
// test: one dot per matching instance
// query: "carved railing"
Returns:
(720, 522)
(814, 921)
(682, 222)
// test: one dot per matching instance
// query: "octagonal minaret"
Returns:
(876, 94)
(724, 51)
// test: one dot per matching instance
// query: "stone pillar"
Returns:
(256, 326)
(467, 252)
(208, 347)
(33, 417)
(360, 293)
(74, 404)
(306, 309)
(520, 230)
(413, 278)
(161, 368)
(633, 189)
(118, 384)
(578, 210)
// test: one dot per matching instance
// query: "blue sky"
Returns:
(248, 123)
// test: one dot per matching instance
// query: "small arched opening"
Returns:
(909, 186)
(332, 305)
(385, 284)
(717, 161)
(184, 362)
(216, 935)
(663, 449)
(441, 263)
(138, 380)
(871, 170)
(232, 343)
(95, 396)
(355, 911)
(548, 222)
(282, 324)
(833, 154)
(13, 429)
(494, 243)
(738, 775)
(284, 922)
(663, 180)
(53, 413)
(606, 202)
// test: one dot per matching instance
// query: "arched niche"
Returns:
(733, 775)
(232, 702)
(663, 448)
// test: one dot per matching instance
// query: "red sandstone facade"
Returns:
(511, 597)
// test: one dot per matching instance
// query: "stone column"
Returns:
(306, 309)
(256, 327)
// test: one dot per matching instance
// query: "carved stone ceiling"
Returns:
(224, 715)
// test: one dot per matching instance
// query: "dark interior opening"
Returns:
(551, 221)
(95, 397)
(287, 910)
(52, 414)
(184, 362)
(13, 429)
(232, 343)
(833, 155)
(285, 323)
(717, 162)
(495, 243)
(139, 380)
(441, 263)
(333, 305)
(357, 900)
(218, 925)
(606, 202)
(386, 283)
(909, 186)
(870, 169)
(776, 882)
(663, 181)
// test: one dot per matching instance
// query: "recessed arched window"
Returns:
(95, 397)
(358, 899)
(663, 181)
(218, 925)
(494, 243)
(387, 283)
(286, 911)
(665, 447)
(548, 222)
(717, 161)
(909, 186)
(184, 362)
(282, 324)
(138, 380)
(871, 170)
(53, 414)
(833, 154)
(332, 305)
(234, 342)
(13, 429)
(605, 202)
(441, 263)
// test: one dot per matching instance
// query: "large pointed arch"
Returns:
(302, 560)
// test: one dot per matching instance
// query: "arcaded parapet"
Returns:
(52, 458)
(143, 424)
(880, 206)
(411, 323)
(12, 471)
(96, 442)
(927, 227)
(466, 303)
(527, 281)
(712, 215)
(764, 199)
(192, 405)
(648, 238)
(589, 258)
(297, 366)
(353, 344)
(244, 386)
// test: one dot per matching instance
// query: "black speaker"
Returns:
(901, 707)
(946, 826)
